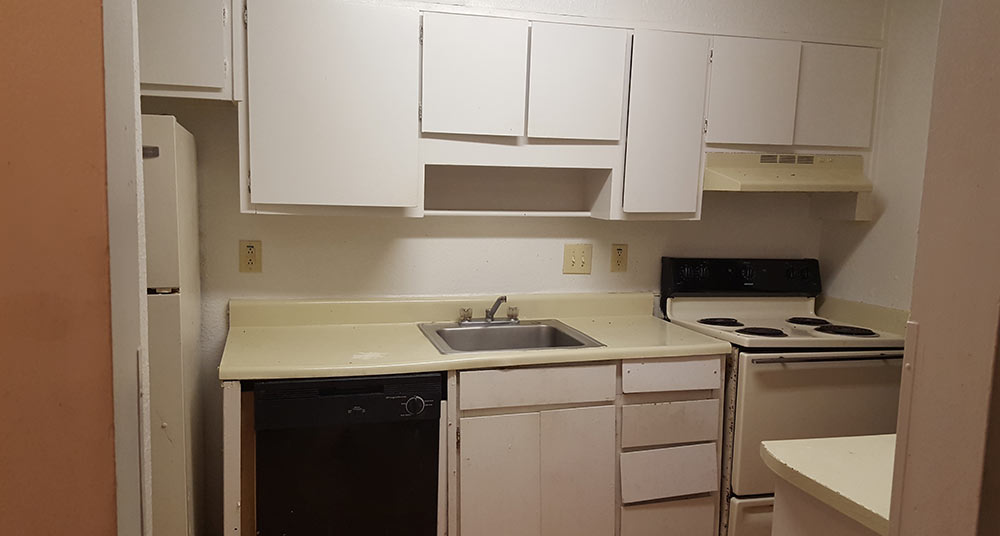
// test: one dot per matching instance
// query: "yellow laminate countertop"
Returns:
(852, 475)
(273, 339)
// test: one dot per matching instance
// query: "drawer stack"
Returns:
(669, 460)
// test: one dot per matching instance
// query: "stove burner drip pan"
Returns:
(849, 331)
(762, 332)
(808, 321)
(721, 321)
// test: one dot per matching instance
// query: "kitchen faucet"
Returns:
(492, 311)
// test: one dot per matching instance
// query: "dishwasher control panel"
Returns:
(296, 403)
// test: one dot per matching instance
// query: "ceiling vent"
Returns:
(807, 159)
(768, 159)
(786, 159)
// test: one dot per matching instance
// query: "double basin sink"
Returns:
(484, 336)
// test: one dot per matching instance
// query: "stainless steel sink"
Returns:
(455, 338)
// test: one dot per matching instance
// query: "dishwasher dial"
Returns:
(415, 405)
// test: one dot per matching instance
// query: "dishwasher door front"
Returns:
(348, 456)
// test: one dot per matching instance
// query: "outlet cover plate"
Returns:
(251, 256)
(577, 258)
(619, 257)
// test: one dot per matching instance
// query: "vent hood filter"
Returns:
(751, 172)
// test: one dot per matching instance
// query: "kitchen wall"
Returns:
(873, 262)
(356, 257)
(57, 457)
(307, 256)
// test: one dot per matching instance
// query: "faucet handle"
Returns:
(465, 314)
(512, 312)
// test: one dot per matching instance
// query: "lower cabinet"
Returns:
(627, 448)
(545, 473)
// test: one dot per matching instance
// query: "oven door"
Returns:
(799, 395)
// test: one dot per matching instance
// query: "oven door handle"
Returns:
(774, 360)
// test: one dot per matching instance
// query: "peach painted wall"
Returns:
(56, 427)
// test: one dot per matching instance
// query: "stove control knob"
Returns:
(415, 405)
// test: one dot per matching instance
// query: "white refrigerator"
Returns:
(174, 300)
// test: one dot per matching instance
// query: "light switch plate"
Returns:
(619, 257)
(251, 256)
(577, 257)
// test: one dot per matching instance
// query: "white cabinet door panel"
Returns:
(475, 74)
(499, 464)
(666, 121)
(333, 99)
(753, 91)
(578, 472)
(576, 81)
(182, 43)
(836, 101)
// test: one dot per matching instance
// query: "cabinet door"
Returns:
(576, 81)
(475, 74)
(578, 472)
(182, 43)
(665, 127)
(499, 473)
(753, 91)
(836, 99)
(333, 100)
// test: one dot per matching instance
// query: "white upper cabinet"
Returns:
(666, 109)
(184, 46)
(475, 74)
(754, 85)
(576, 82)
(333, 101)
(836, 101)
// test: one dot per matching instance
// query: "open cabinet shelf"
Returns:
(512, 191)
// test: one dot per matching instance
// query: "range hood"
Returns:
(755, 172)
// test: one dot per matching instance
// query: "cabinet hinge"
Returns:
(420, 112)
(421, 34)
(711, 54)
(706, 126)
(249, 187)
(246, 17)
(225, 15)
(458, 438)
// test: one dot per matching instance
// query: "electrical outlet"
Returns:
(250, 256)
(619, 257)
(577, 257)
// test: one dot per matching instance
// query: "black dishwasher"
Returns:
(348, 456)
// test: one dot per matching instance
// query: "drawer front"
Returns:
(672, 472)
(687, 517)
(670, 422)
(482, 389)
(662, 375)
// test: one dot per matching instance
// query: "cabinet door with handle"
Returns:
(475, 74)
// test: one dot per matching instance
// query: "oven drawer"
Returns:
(671, 374)
(685, 517)
(671, 472)
(505, 388)
(670, 422)
(751, 517)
